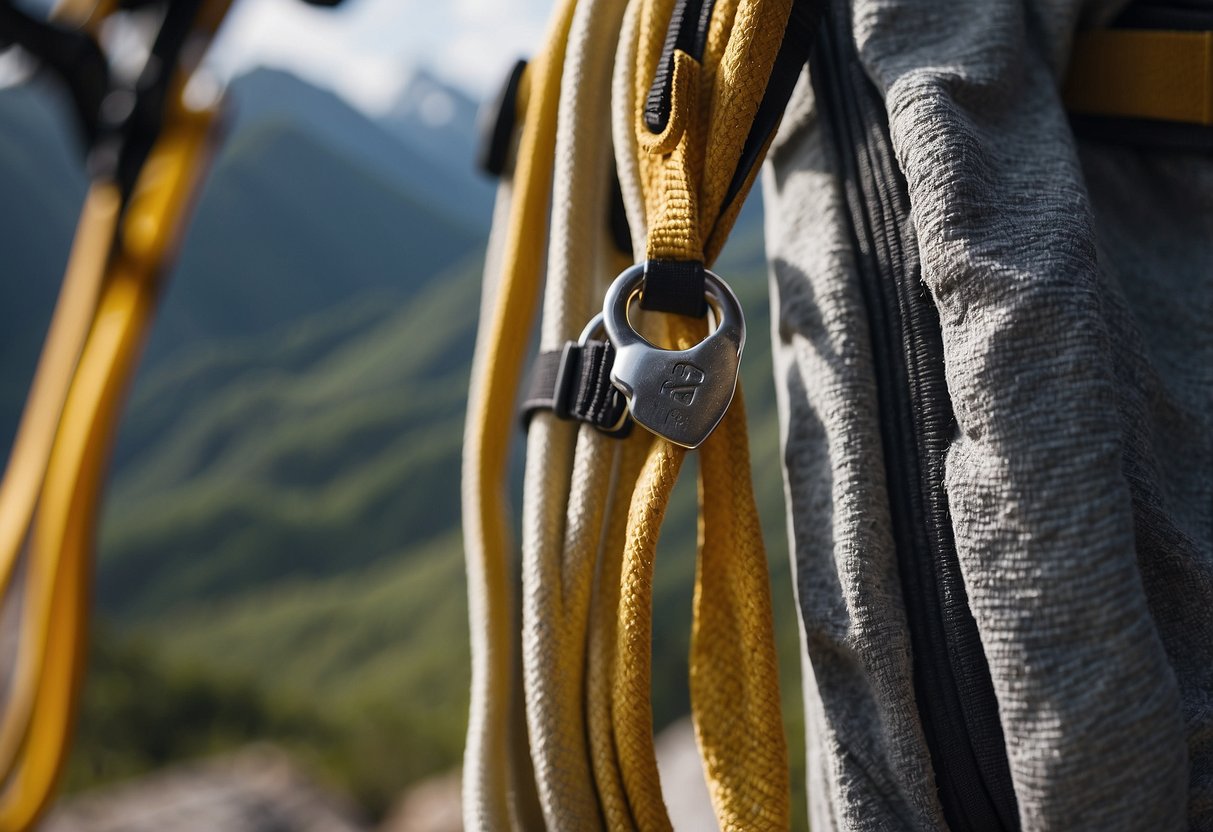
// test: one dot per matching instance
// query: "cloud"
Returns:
(366, 49)
(478, 59)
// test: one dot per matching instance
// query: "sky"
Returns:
(366, 50)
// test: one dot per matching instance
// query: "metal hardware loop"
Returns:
(680, 395)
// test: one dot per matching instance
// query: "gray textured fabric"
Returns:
(1075, 290)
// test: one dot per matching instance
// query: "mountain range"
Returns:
(281, 533)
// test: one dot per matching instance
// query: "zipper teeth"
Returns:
(955, 696)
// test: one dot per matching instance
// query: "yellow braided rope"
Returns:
(685, 172)
(604, 628)
(632, 706)
(734, 673)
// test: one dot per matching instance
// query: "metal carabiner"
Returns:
(680, 395)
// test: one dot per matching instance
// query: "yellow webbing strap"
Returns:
(22, 487)
(686, 169)
(685, 172)
(40, 708)
(1142, 73)
(604, 633)
(51, 489)
(73, 315)
(74, 311)
(496, 372)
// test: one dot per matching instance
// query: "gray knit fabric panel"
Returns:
(866, 745)
(1075, 292)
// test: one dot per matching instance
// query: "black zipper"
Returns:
(955, 697)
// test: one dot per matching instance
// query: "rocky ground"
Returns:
(260, 789)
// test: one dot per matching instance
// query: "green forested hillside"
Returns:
(287, 227)
(280, 457)
(280, 549)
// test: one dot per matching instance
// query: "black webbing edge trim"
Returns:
(676, 286)
(1143, 133)
(793, 54)
(687, 32)
(498, 120)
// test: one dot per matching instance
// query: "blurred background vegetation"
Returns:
(280, 555)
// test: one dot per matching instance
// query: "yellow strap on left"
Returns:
(1142, 73)
(50, 493)
(78, 300)
(40, 710)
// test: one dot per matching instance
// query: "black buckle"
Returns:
(574, 383)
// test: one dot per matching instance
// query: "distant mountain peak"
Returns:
(438, 121)
(425, 142)
(433, 102)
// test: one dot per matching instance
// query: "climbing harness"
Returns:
(561, 721)
(635, 135)
(149, 142)
(637, 364)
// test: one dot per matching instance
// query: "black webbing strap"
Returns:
(687, 32)
(674, 286)
(574, 382)
(617, 216)
(497, 122)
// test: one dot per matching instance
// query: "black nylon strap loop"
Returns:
(574, 382)
(676, 286)
(544, 392)
(688, 32)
